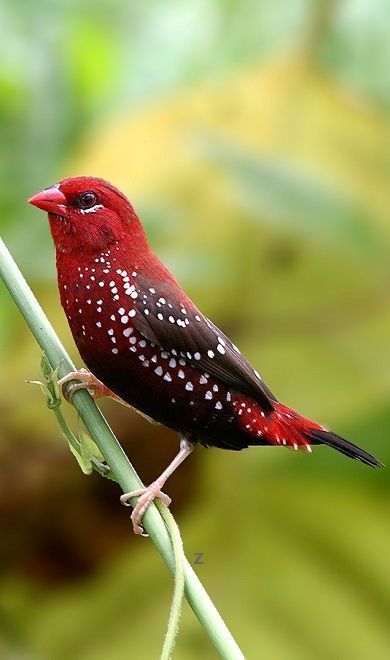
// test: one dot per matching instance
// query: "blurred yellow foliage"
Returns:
(285, 109)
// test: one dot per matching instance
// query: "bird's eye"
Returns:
(86, 200)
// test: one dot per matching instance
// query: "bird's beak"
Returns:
(51, 200)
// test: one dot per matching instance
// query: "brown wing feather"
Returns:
(167, 322)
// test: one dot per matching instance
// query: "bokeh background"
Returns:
(253, 138)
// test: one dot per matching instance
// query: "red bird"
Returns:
(146, 342)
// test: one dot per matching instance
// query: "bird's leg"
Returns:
(147, 495)
(86, 381)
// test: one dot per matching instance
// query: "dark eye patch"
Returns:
(86, 200)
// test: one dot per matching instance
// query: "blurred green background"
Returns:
(253, 139)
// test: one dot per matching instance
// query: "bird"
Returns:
(147, 345)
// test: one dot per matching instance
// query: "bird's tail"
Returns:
(284, 426)
(344, 446)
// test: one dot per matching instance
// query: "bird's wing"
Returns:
(175, 326)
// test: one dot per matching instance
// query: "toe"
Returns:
(145, 498)
(137, 528)
(124, 499)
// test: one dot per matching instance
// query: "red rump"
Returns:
(282, 426)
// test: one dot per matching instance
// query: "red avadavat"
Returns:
(146, 341)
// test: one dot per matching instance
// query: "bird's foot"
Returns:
(86, 381)
(146, 497)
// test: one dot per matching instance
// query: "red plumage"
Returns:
(140, 334)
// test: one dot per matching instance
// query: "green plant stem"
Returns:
(114, 455)
(74, 443)
(178, 591)
(65, 430)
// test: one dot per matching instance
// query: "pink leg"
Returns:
(147, 495)
(87, 381)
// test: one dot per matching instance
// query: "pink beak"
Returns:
(51, 200)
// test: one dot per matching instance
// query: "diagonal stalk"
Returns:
(114, 455)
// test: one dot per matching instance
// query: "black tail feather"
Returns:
(344, 446)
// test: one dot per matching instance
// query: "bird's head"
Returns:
(88, 214)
